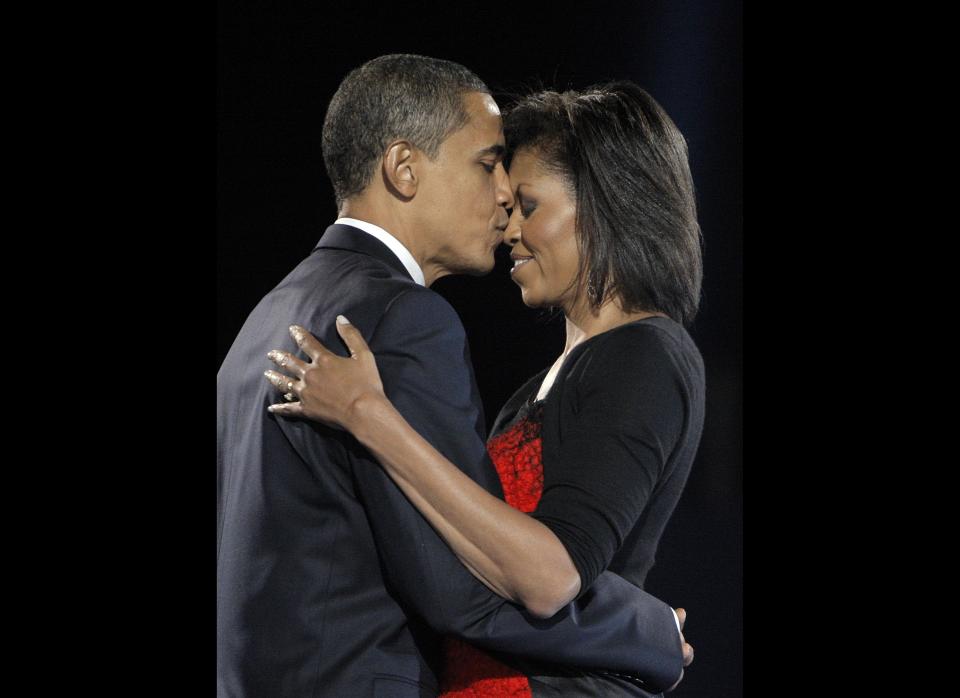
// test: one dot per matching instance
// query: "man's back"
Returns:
(302, 605)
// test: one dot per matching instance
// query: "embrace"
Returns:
(372, 539)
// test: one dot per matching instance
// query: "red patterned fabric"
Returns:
(517, 454)
(470, 672)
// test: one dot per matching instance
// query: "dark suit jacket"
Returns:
(329, 582)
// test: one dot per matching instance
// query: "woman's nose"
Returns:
(504, 191)
(511, 234)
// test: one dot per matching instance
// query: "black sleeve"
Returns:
(422, 356)
(625, 406)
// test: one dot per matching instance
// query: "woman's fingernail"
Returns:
(272, 408)
(271, 355)
(341, 320)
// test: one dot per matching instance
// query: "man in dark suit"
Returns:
(329, 582)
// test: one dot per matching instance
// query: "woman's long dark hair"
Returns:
(626, 165)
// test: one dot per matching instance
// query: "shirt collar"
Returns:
(403, 254)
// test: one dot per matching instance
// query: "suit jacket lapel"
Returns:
(346, 237)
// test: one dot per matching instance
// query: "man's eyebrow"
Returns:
(497, 150)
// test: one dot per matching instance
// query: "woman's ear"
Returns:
(400, 166)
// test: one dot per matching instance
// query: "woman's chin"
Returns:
(529, 299)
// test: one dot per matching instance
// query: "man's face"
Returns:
(465, 192)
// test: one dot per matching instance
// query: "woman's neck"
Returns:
(582, 326)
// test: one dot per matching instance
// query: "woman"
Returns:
(593, 451)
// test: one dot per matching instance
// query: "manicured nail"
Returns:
(271, 354)
(341, 320)
(272, 408)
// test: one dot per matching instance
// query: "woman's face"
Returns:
(541, 232)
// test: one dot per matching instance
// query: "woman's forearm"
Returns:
(512, 553)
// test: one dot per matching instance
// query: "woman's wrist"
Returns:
(366, 416)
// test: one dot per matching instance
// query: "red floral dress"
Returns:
(516, 452)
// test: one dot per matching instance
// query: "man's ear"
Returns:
(400, 167)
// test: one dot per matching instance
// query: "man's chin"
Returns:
(480, 267)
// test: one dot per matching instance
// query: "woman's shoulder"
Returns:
(635, 349)
(650, 333)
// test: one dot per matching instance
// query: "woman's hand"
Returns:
(330, 387)
(687, 648)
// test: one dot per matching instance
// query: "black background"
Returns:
(279, 63)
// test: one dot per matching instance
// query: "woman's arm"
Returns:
(516, 556)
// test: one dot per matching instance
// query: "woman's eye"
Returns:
(489, 167)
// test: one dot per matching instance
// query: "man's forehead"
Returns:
(483, 132)
(488, 104)
(482, 109)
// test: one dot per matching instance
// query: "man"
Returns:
(330, 583)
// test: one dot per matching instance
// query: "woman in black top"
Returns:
(598, 446)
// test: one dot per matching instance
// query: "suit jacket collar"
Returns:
(346, 237)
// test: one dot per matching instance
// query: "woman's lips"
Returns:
(518, 262)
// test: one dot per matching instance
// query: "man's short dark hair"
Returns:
(397, 96)
(625, 164)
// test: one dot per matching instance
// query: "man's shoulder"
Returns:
(423, 304)
(416, 312)
(334, 265)
(344, 277)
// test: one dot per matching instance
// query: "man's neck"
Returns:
(397, 226)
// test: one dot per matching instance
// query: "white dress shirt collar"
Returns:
(403, 254)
